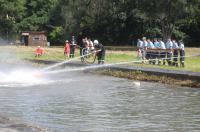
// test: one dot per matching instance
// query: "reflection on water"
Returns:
(85, 102)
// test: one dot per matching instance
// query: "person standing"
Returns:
(162, 52)
(139, 49)
(144, 49)
(157, 46)
(100, 52)
(91, 45)
(150, 53)
(67, 49)
(169, 46)
(175, 53)
(72, 47)
(182, 53)
(80, 43)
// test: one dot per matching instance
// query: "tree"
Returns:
(167, 13)
(37, 14)
(12, 12)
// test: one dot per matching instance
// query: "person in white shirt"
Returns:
(175, 53)
(169, 46)
(182, 53)
(91, 45)
(144, 47)
(162, 53)
(157, 46)
(150, 54)
(139, 49)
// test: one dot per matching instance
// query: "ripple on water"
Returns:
(85, 102)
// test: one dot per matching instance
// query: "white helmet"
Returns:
(96, 42)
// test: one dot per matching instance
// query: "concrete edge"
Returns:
(150, 71)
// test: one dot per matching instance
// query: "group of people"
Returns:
(157, 52)
(87, 46)
(153, 51)
(69, 49)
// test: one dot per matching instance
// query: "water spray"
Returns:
(107, 65)
(67, 61)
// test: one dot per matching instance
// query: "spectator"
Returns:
(140, 49)
(162, 53)
(169, 46)
(175, 53)
(144, 49)
(182, 53)
(67, 49)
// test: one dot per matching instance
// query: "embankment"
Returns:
(172, 77)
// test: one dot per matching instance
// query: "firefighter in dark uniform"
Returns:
(100, 52)
(72, 47)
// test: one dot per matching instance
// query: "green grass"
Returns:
(191, 63)
(56, 53)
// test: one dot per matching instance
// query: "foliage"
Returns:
(110, 21)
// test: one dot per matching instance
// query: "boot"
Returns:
(169, 63)
(159, 62)
(182, 64)
(163, 62)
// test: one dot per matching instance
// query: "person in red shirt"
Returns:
(67, 49)
(39, 51)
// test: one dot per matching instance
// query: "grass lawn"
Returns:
(56, 53)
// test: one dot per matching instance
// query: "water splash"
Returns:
(20, 78)
(67, 61)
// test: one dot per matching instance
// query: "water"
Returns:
(79, 101)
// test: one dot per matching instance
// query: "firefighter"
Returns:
(72, 47)
(100, 52)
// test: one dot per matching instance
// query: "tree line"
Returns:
(114, 22)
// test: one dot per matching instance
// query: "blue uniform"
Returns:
(162, 45)
(157, 44)
(140, 44)
(169, 45)
(150, 54)
(144, 46)
(175, 54)
(163, 53)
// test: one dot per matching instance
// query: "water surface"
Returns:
(79, 101)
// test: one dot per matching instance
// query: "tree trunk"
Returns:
(167, 30)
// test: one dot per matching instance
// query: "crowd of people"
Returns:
(157, 52)
(152, 51)
(88, 46)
